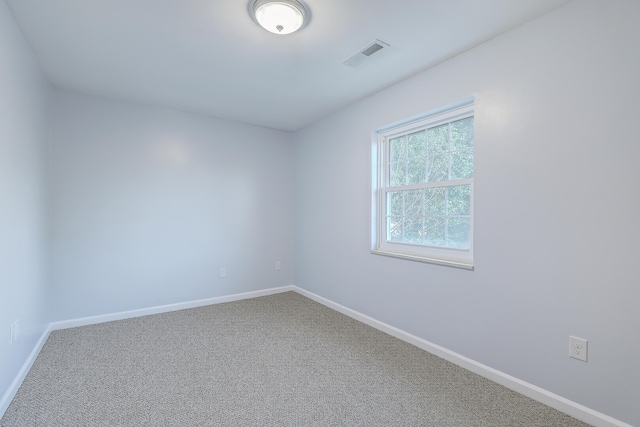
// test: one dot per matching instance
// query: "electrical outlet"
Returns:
(15, 331)
(278, 265)
(223, 272)
(578, 348)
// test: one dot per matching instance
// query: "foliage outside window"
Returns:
(423, 180)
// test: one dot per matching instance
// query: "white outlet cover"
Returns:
(578, 348)
(15, 331)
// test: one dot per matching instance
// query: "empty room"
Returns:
(319, 213)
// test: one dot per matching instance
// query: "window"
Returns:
(423, 183)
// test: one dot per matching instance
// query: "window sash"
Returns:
(385, 211)
(380, 243)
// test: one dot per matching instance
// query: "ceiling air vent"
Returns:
(366, 52)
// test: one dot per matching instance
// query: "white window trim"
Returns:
(380, 152)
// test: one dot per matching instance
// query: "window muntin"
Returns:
(425, 189)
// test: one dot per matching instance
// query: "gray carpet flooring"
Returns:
(279, 360)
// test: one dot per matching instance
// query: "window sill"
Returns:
(448, 263)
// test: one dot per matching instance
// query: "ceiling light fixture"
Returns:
(279, 16)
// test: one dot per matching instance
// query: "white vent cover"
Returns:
(365, 53)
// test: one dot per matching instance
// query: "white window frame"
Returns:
(380, 182)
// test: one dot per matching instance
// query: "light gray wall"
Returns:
(148, 204)
(556, 202)
(24, 127)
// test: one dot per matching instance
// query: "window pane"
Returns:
(397, 171)
(434, 231)
(416, 171)
(413, 202)
(438, 139)
(430, 171)
(418, 144)
(462, 164)
(413, 229)
(459, 200)
(438, 168)
(394, 229)
(462, 134)
(394, 203)
(434, 201)
(398, 147)
(458, 233)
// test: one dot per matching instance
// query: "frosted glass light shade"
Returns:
(279, 16)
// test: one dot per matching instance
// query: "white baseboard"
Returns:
(22, 373)
(92, 320)
(560, 403)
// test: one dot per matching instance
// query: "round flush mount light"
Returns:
(279, 16)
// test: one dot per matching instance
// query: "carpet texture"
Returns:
(279, 360)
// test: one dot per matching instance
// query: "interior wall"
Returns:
(556, 192)
(148, 204)
(24, 127)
